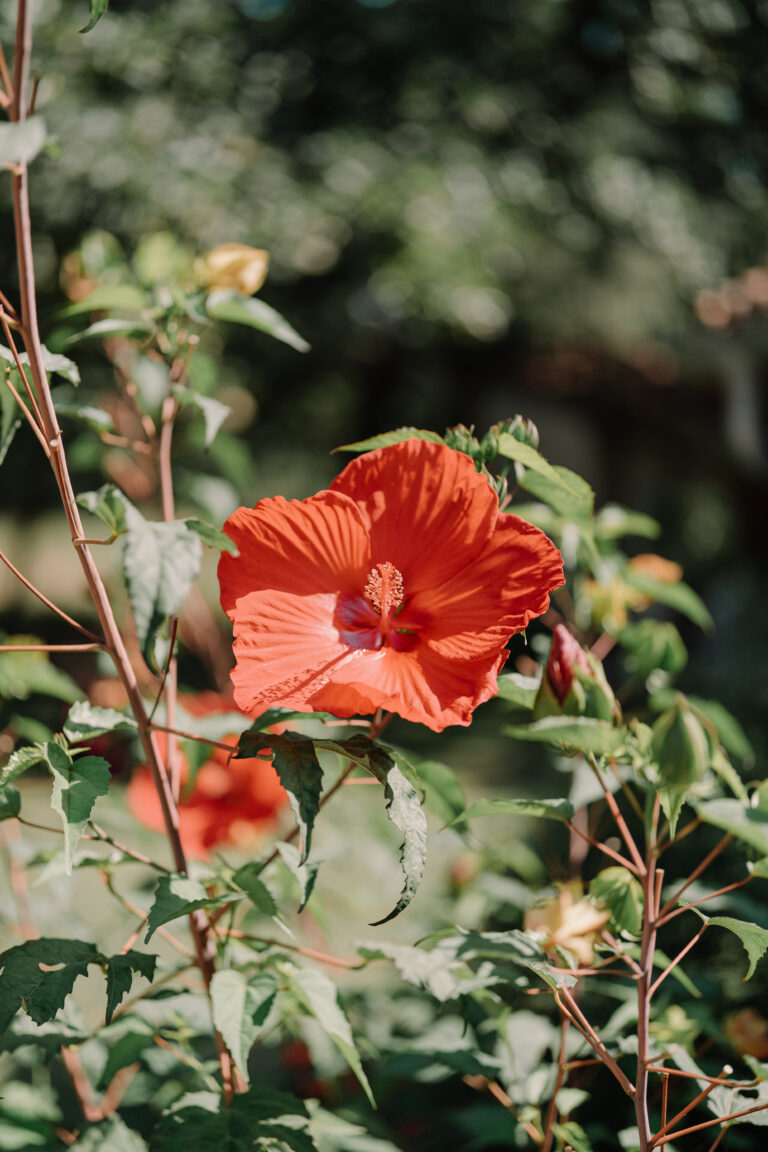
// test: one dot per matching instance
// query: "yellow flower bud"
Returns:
(233, 266)
(569, 921)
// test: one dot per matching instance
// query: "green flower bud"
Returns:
(682, 745)
(521, 429)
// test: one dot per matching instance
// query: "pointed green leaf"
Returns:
(111, 326)
(261, 1120)
(237, 309)
(160, 562)
(296, 764)
(443, 793)
(319, 996)
(571, 1135)
(517, 689)
(248, 880)
(240, 1008)
(20, 760)
(616, 888)
(112, 1134)
(109, 298)
(211, 537)
(25, 673)
(214, 413)
(177, 895)
(385, 439)
(54, 363)
(580, 732)
(98, 8)
(21, 140)
(77, 784)
(39, 975)
(107, 503)
(678, 596)
(120, 973)
(748, 824)
(753, 937)
(614, 521)
(85, 721)
(500, 806)
(528, 456)
(569, 496)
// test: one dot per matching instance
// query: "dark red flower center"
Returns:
(380, 615)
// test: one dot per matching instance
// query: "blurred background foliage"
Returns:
(549, 206)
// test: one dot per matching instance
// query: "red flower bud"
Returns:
(565, 655)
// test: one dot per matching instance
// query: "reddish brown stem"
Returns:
(701, 867)
(562, 1072)
(44, 599)
(709, 1124)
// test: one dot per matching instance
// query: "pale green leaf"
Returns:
(109, 298)
(177, 895)
(518, 689)
(405, 811)
(231, 306)
(248, 880)
(240, 1007)
(111, 1135)
(211, 537)
(500, 806)
(214, 413)
(319, 997)
(617, 889)
(678, 596)
(570, 497)
(527, 455)
(753, 937)
(305, 873)
(86, 721)
(10, 802)
(748, 824)
(579, 732)
(77, 784)
(108, 504)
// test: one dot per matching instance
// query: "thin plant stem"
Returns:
(618, 818)
(684, 1111)
(703, 899)
(312, 953)
(28, 415)
(722, 1079)
(708, 1124)
(562, 1074)
(44, 599)
(664, 1096)
(20, 369)
(674, 963)
(570, 1008)
(166, 669)
(139, 857)
(617, 856)
(98, 647)
(652, 882)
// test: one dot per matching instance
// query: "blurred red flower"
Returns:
(398, 588)
(228, 802)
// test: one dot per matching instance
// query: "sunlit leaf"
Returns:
(296, 763)
(569, 496)
(527, 455)
(214, 413)
(237, 309)
(10, 802)
(617, 889)
(85, 721)
(305, 873)
(678, 596)
(112, 1133)
(747, 824)
(211, 537)
(500, 806)
(77, 784)
(108, 504)
(580, 732)
(240, 1007)
(175, 896)
(753, 937)
(109, 298)
(518, 689)
(248, 880)
(385, 439)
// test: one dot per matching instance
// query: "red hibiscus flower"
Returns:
(229, 801)
(398, 588)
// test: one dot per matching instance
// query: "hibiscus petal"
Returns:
(416, 685)
(430, 511)
(286, 648)
(493, 596)
(308, 546)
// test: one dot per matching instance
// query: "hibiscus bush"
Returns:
(223, 929)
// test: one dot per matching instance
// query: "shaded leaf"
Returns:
(748, 824)
(120, 972)
(500, 806)
(305, 874)
(10, 802)
(405, 811)
(214, 413)
(296, 763)
(319, 996)
(237, 309)
(109, 298)
(77, 784)
(579, 732)
(25, 673)
(39, 975)
(261, 1120)
(10, 419)
(240, 1008)
(617, 889)
(385, 439)
(111, 326)
(753, 937)
(19, 761)
(569, 496)
(21, 140)
(86, 721)
(177, 895)
(248, 880)
(98, 8)
(112, 1134)
(614, 521)
(107, 503)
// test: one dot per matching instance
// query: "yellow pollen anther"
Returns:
(384, 588)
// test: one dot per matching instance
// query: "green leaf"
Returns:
(161, 560)
(513, 947)
(319, 996)
(500, 806)
(580, 732)
(120, 972)
(77, 784)
(518, 689)
(305, 874)
(109, 298)
(111, 326)
(385, 439)
(19, 761)
(753, 937)
(214, 413)
(10, 419)
(614, 521)
(211, 537)
(25, 673)
(108, 504)
(112, 1134)
(405, 811)
(678, 596)
(21, 140)
(527, 455)
(10, 802)
(296, 763)
(572, 1136)
(231, 306)
(248, 880)
(570, 496)
(85, 722)
(54, 363)
(240, 1008)
(748, 824)
(618, 890)
(652, 644)
(177, 895)
(98, 8)
(730, 732)
(39, 975)
(443, 793)
(261, 1120)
